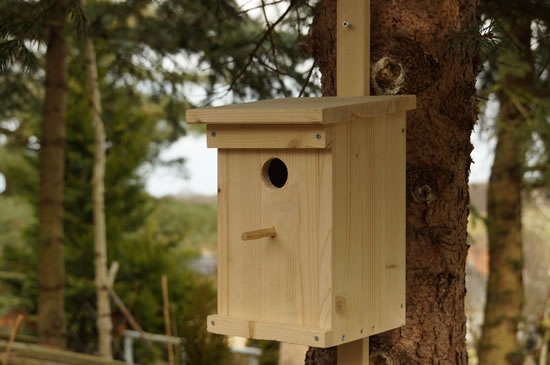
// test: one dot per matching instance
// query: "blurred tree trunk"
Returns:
(498, 343)
(103, 321)
(422, 47)
(51, 268)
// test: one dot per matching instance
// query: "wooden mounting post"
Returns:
(353, 79)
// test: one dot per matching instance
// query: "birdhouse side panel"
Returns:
(354, 250)
(393, 287)
(286, 278)
(368, 225)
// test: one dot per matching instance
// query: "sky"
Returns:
(201, 162)
(200, 177)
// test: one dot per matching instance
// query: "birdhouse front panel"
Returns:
(284, 278)
(311, 217)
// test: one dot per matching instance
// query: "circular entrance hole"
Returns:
(275, 172)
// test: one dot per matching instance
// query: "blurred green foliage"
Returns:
(150, 55)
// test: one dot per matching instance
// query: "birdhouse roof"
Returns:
(319, 110)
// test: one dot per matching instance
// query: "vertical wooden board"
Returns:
(277, 279)
(223, 222)
(354, 233)
(325, 224)
(340, 234)
(382, 193)
(244, 265)
(354, 353)
(302, 232)
(353, 47)
(365, 219)
(280, 260)
(394, 251)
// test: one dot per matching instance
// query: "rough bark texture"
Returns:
(416, 49)
(498, 344)
(51, 268)
(103, 321)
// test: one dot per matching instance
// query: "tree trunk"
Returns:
(51, 268)
(418, 47)
(103, 322)
(498, 341)
(498, 344)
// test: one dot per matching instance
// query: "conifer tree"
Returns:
(422, 48)
(51, 268)
(514, 75)
(142, 46)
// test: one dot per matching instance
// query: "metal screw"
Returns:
(316, 338)
(213, 323)
(401, 305)
(373, 328)
(213, 133)
(361, 332)
(318, 136)
(343, 337)
(402, 130)
(346, 24)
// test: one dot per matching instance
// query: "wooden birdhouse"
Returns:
(311, 217)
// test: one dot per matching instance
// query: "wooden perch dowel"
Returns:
(259, 233)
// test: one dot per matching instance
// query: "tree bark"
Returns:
(51, 267)
(103, 321)
(503, 309)
(418, 47)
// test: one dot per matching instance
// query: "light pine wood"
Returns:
(276, 279)
(259, 233)
(334, 274)
(223, 242)
(354, 353)
(337, 262)
(267, 136)
(321, 110)
(392, 296)
(353, 79)
(353, 47)
(267, 331)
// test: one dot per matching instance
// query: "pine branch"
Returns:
(307, 80)
(258, 45)
(14, 52)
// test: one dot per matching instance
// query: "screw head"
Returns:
(361, 332)
(212, 323)
(402, 130)
(213, 133)
(316, 338)
(318, 136)
(346, 24)
(343, 337)
(402, 305)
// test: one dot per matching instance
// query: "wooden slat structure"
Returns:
(334, 272)
(319, 183)
(353, 79)
(319, 110)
